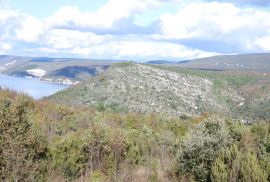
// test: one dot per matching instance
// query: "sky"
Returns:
(134, 29)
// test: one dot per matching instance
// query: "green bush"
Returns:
(235, 165)
(83, 144)
(67, 156)
(262, 136)
(201, 146)
(22, 147)
(104, 148)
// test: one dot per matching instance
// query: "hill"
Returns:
(174, 91)
(258, 62)
(158, 62)
(143, 88)
(44, 141)
(72, 70)
(59, 70)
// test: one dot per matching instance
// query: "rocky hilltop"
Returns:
(143, 88)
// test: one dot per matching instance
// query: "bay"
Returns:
(33, 87)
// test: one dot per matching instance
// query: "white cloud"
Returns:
(6, 15)
(245, 2)
(264, 42)
(4, 47)
(30, 29)
(8, 21)
(104, 17)
(64, 39)
(71, 32)
(17, 26)
(142, 50)
(47, 50)
(213, 21)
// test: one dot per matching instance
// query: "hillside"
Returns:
(258, 62)
(44, 141)
(174, 91)
(58, 70)
(143, 88)
(71, 70)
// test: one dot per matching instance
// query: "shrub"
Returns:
(22, 148)
(97, 176)
(199, 149)
(104, 148)
(261, 132)
(67, 156)
(235, 165)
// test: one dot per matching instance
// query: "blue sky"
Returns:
(134, 29)
(46, 8)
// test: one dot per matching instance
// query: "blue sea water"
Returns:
(32, 87)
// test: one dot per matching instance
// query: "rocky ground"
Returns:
(143, 88)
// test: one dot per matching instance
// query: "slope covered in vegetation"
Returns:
(43, 141)
(244, 94)
(142, 88)
(174, 91)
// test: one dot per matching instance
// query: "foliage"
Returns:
(200, 148)
(44, 141)
(22, 147)
(234, 165)
(66, 156)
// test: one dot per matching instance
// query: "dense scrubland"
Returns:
(44, 141)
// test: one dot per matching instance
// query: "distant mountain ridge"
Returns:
(258, 62)
(74, 70)
(159, 62)
(57, 70)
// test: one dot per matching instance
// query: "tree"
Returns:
(22, 148)
(67, 156)
(199, 149)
